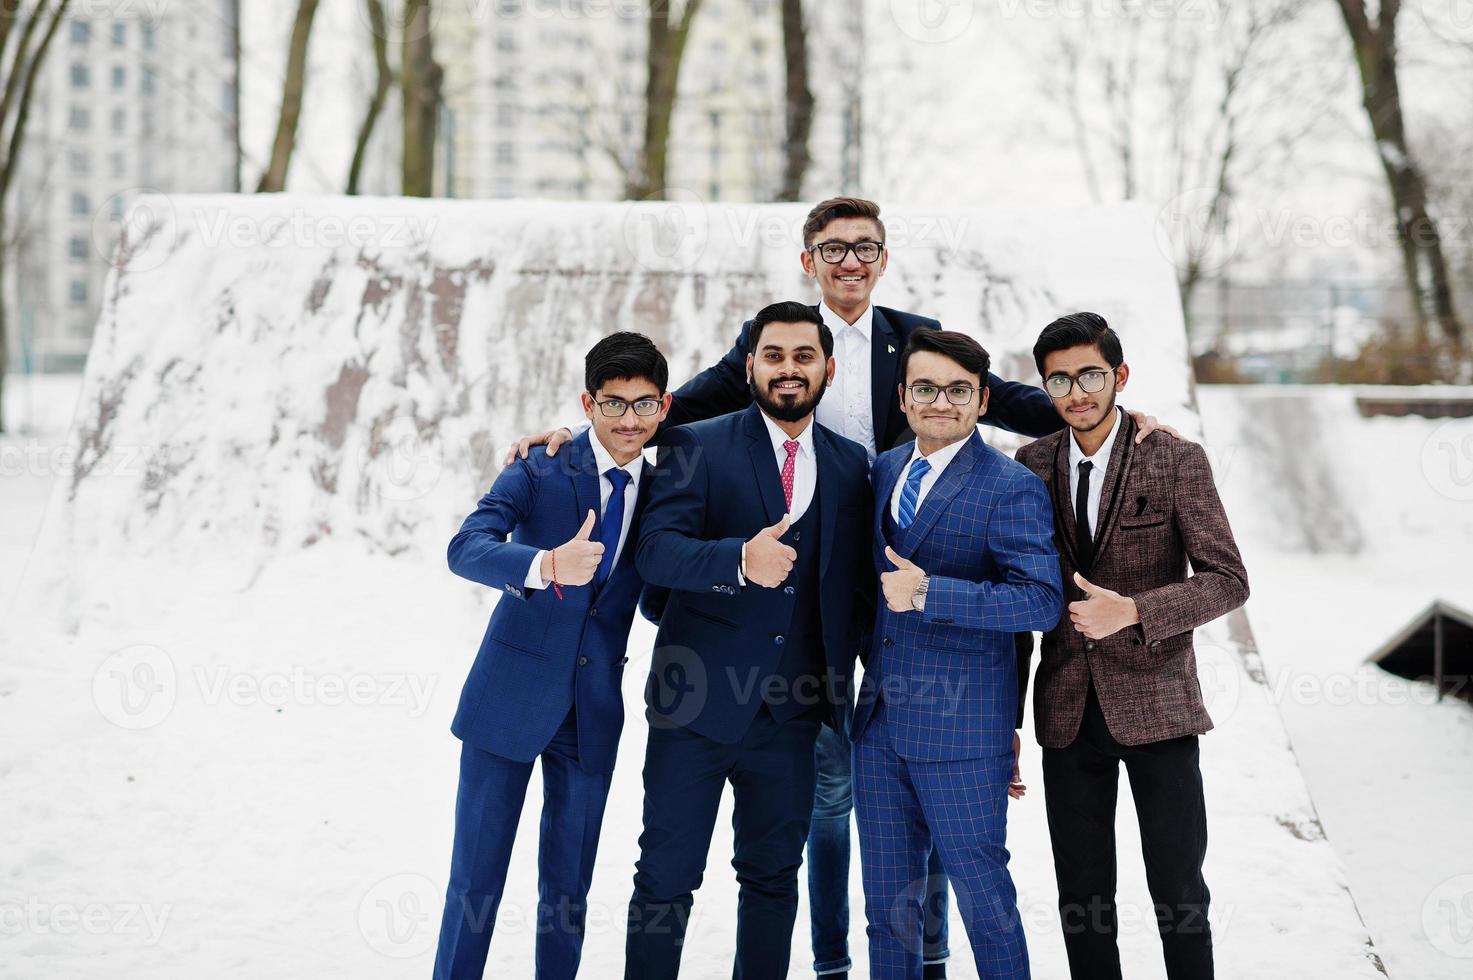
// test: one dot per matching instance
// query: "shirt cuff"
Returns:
(742, 568)
(534, 574)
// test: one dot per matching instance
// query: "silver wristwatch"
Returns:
(918, 598)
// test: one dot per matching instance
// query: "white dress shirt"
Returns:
(938, 460)
(805, 474)
(1100, 463)
(847, 407)
(605, 462)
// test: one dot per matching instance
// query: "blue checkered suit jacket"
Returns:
(948, 675)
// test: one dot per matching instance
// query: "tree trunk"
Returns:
(799, 103)
(1423, 264)
(274, 179)
(20, 90)
(666, 49)
(379, 28)
(420, 79)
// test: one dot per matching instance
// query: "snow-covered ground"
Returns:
(228, 675)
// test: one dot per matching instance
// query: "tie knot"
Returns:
(919, 469)
(1085, 466)
(792, 447)
(618, 477)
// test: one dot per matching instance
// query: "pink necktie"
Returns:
(792, 448)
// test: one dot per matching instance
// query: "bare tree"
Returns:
(378, 29)
(663, 57)
(274, 177)
(799, 101)
(22, 60)
(1423, 264)
(420, 80)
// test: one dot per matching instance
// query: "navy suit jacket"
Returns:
(539, 652)
(722, 387)
(948, 675)
(716, 485)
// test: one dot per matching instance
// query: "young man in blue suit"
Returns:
(556, 536)
(965, 535)
(756, 523)
(845, 254)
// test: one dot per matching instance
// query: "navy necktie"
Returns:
(612, 524)
(1084, 542)
(910, 495)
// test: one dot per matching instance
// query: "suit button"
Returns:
(797, 535)
(888, 642)
(582, 661)
(789, 590)
(1155, 643)
(777, 640)
(1089, 645)
(715, 588)
(593, 612)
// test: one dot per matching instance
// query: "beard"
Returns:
(783, 410)
(1105, 416)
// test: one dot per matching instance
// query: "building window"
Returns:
(116, 211)
(120, 34)
(79, 120)
(78, 162)
(77, 247)
(81, 207)
(506, 153)
(506, 114)
(81, 32)
(116, 164)
(120, 121)
(81, 75)
(77, 292)
(120, 76)
(148, 79)
(149, 36)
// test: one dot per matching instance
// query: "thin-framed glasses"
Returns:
(835, 252)
(1090, 382)
(615, 407)
(956, 394)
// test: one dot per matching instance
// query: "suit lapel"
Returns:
(1063, 509)
(1122, 455)
(884, 363)
(764, 466)
(828, 496)
(947, 486)
(585, 480)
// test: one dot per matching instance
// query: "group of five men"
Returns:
(822, 495)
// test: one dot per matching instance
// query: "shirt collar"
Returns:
(1101, 458)
(605, 460)
(778, 436)
(864, 324)
(939, 459)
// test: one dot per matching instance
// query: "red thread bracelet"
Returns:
(555, 586)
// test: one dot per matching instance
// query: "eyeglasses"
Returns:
(835, 252)
(1090, 382)
(956, 394)
(615, 408)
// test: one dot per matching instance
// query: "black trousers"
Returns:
(1080, 785)
(771, 774)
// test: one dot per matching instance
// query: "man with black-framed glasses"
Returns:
(844, 252)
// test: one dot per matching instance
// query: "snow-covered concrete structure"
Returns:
(229, 689)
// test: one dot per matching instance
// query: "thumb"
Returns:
(779, 529)
(1090, 589)
(895, 559)
(586, 531)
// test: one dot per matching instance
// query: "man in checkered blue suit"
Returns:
(963, 537)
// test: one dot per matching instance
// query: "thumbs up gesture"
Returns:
(900, 585)
(768, 560)
(1101, 612)
(577, 559)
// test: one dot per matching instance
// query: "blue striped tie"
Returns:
(613, 523)
(912, 491)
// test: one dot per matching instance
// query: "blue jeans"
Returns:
(828, 861)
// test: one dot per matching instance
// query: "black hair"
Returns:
(961, 348)
(1078, 330)
(790, 311)
(624, 355)
(835, 208)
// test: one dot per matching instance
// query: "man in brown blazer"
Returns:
(1117, 680)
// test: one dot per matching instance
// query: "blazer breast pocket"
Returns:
(1144, 521)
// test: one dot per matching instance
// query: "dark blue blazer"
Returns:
(948, 675)
(540, 652)
(716, 485)
(722, 387)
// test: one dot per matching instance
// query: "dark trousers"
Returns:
(487, 809)
(1080, 784)
(771, 775)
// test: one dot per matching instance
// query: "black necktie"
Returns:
(1084, 544)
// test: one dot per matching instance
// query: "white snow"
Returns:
(228, 676)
